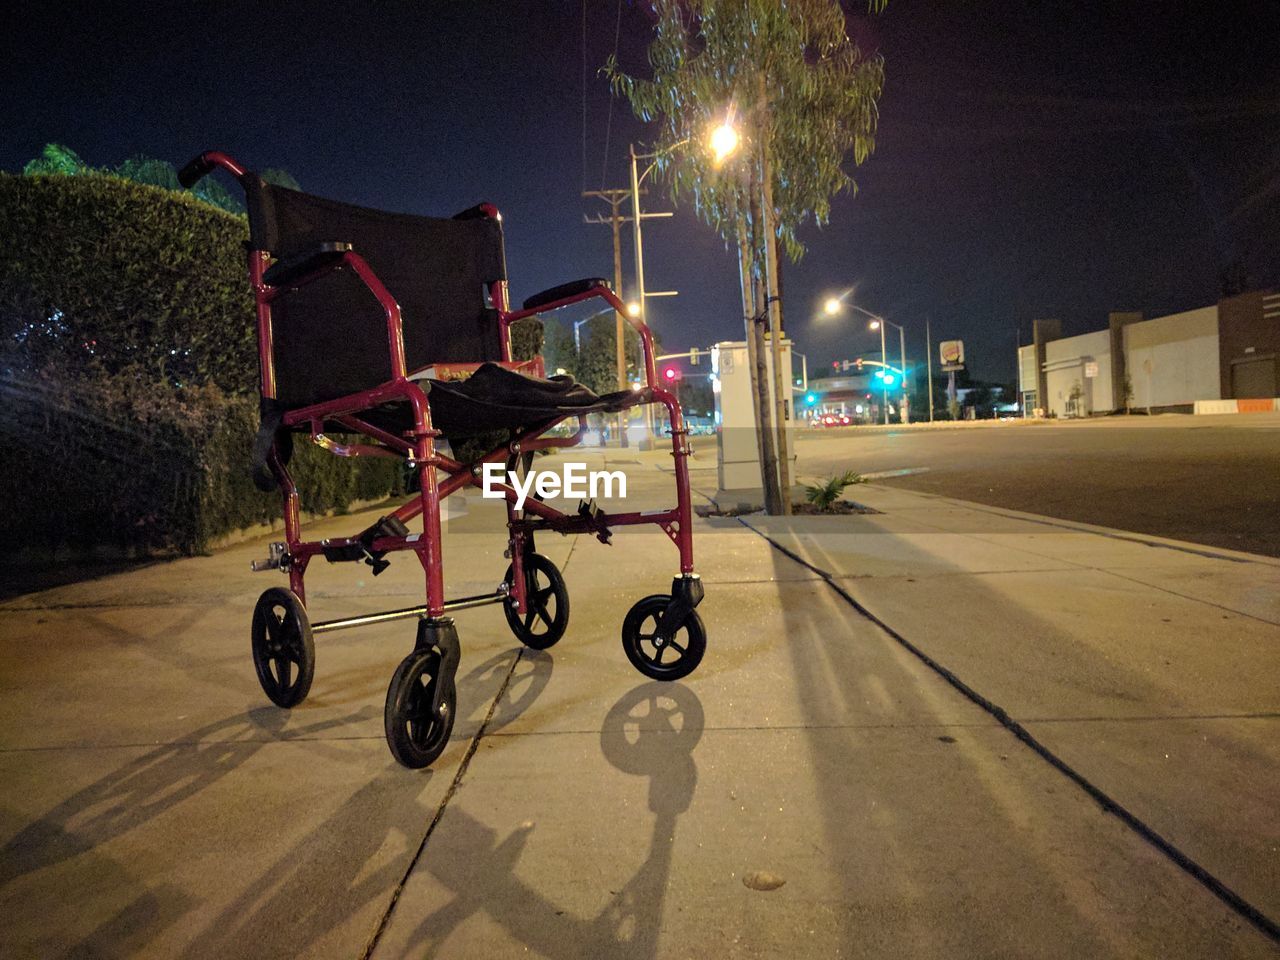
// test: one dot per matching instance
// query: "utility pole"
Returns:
(615, 199)
(928, 347)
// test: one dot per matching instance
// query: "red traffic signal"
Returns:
(670, 374)
(859, 363)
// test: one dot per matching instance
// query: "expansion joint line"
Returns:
(453, 788)
(1233, 900)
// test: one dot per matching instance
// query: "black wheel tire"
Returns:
(547, 603)
(284, 655)
(415, 736)
(648, 652)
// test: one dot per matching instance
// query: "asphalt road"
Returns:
(1209, 480)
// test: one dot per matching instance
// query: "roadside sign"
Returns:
(951, 352)
(1090, 369)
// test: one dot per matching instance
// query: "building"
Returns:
(851, 394)
(1182, 362)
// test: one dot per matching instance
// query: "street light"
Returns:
(723, 141)
(834, 305)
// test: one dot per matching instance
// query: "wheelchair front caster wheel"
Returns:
(284, 655)
(669, 657)
(416, 736)
(546, 604)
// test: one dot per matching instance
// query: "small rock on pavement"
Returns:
(762, 880)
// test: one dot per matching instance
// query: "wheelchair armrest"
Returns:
(286, 271)
(563, 291)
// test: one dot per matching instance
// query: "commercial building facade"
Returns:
(1227, 351)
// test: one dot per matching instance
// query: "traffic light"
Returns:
(811, 398)
(670, 374)
(859, 363)
(888, 379)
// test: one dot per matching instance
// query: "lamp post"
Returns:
(835, 304)
(879, 323)
(724, 141)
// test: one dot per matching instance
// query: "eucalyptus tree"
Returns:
(806, 99)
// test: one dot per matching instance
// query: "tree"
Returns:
(55, 159)
(58, 160)
(807, 97)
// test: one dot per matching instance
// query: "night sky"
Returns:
(1034, 160)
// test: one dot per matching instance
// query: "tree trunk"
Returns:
(748, 312)
(773, 300)
(774, 495)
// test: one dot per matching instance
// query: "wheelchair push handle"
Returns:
(204, 164)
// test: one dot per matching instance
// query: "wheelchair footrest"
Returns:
(362, 548)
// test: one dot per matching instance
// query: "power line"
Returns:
(617, 32)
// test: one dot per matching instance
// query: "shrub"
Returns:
(824, 493)
(147, 468)
(101, 276)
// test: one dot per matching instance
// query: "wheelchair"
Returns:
(378, 334)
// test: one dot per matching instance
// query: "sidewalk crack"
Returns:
(385, 920)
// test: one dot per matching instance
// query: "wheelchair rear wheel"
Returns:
(284, 655)
(415, 735)
(546, 604)
(650, 653)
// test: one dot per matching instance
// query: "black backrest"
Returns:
(331, 335)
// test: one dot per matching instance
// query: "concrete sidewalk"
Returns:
(154, 804)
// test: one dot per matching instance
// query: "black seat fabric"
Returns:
(330, 336)
(495, 398)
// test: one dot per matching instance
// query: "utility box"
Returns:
(737, 448)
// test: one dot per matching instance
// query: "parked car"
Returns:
(831, 420)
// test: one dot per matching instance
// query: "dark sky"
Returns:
(1042, 159)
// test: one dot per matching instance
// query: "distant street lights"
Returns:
(835, 305)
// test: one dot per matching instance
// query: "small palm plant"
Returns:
(826, 492)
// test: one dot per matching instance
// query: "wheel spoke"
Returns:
(529, 613)
(272, 622)
(672, 643)
(282, 670)
(544, 615)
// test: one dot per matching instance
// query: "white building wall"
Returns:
(1173, 360)
(1027, 381)
(1065, 365)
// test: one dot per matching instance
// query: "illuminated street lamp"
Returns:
(723, 141)
(834, 305)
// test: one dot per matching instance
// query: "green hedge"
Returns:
(147, 468)
(101, 276)
(128, 373)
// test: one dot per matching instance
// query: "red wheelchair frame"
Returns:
(425, 707)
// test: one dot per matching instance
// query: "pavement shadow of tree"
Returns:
(146, 787)
(651, 732)
(327, 876)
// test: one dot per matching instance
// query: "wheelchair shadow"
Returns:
(125, 800)
(349, 861)
(650, 732)
(529, 675)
